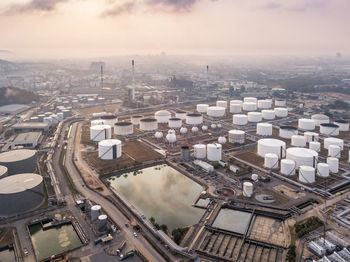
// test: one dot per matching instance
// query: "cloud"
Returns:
(34, 6)
(116, 10)
(172, 5)
(294, 5)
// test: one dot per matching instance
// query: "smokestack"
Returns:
(101, 80)
(207, 75)
(133, 79)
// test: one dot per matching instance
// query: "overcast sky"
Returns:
(117, 27)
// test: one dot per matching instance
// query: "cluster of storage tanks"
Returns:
(97, 217)
(52, 117)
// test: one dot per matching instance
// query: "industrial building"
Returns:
(26, 140)
(31, 126)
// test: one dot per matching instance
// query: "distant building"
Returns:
(30, 126)
(26, 140)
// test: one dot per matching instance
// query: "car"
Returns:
(25, 251)
(135, 234)
(126, 225)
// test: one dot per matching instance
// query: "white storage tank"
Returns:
(222, 140)
(320, 119)
(247, 189)
(322, 169)
(35, 119)
(302, 156)
(316, 146)
(249, 106)
(109, 120)
(214, 152)
(268, 114)
(311, 136)
(148, 124)
(264, 104)
(123, 128)
(329, 129)
(221, 103)
(109, 149)
(254, 117)
(216, 111)
(298, 140)
(47, 119)
(175, 122)
(183, 130)
(334, 151)
(204, 128)
(194, 129)
(235, 108)
(135, 120)
(280, 102)
(333, 141)
(96, 122)
(162, 116)
(264, 129)
(213, 126)
(288, 167)
(287, 131)
(100, 132)
(102, 223)
(240, 102)
(95, 212)
(343, 125)
(194, 119)
(306, 174)
(255, 177)
(271, 161)
(236, 136)
(181, 114)
(306, 124)
(281, 112)
(250, 99)
(158, 135)
(199, 151)
(171, 138)
(333, 163)
(240, 119)
(54, 119)
(202, 108)
(270, 145)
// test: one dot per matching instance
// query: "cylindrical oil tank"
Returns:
(281, 112)
(268, 114)
(264, 129)
(162, 116)
(34, 119)
(254, 117)
(329, 129)
(280, 102)
(249, 106)
(214, 152)
(306, 124)
(109, 149)
(240, 102)
(322, 169)
(194, 119)
(334, 151)
(247, 189)
(240, 119)
(183, 130)
(47, 119)
(311, 136)
(221, 103)
(288, 167)
(264, 104)
(194, 129)
(181, 114)
(100, 132)
(204, 128)
(236, 136)
(102, 223)
(123, 128)
(270, 145)
(302, 156)
(3, 171)
(306, 174)
(185, 153)
(216, 111)
(202, 108)
(199, 151)
(148, 124)
(343, 125)
(135, 120)
(271, 161)
(316, 146)
(95, 212)
(333, 141)
(320, 119)
(250, 99)
(287, 131)
(235, 108)
(333, 163)
(175, 122)
(20, 193)
(298, 140)
(96, 122)
(18, 161)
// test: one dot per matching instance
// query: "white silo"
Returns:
(123, 128)
(270, 145)
(109, 120)
(219, 125)
(288, 167)
(264, 104)
(316, 146)
(254, 117)
(322, 169)
(100, 132)
(181, 114)
(306, 174)
(96, 122)
(255, 177)
(302, 156)
(183, 130)
(102, 223)
(194, 129)
(135, 120)
(306, 124)
(268, 114)
(334, 151)
(95, 212)
(204, 128)
(280, 102)
(264, 129)
(216, 111)
(329, 129)
(148, 124)
(213, 126)
(281, 112)
(311, 136)
(333, 141)
(247, 189)
(271, 161)
(199, 151)
(333, 163)
(298, 140)
(222, 140)
(175, 122)
(202, 108)
(240, 102)
(287, 131)
(214, 152)
(221, 103)
(249, 106)
(250, 99)
(343, 125)
(158, 135)
(194, 119)
(240, 119)
(109, 149)
(320, 119)
(235, 108)
(236, 136)
(162, 116)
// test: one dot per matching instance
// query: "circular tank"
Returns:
(95, 212)
(264, 129)
(334, 151)
(329, 129)
(254, 117)
(235, 108)
(222, 140)
(240, 102)
(247, 189)
(271, 161)
(199, 151)
(171, 138)
(21, 193)
(343, 125)
(250, 99)
(298, 140)
(175, 122)
(109, 149)
(264, 104)
(135, 120)
(100, 132)
(202, 108)
(54, 119)
(255, 177)
(18, 161)
(333, 141)
(194, 129)
(216, 111)
(270, 145)
(280, 102)
(240, 119)
(96, 122)
(194, 119)
(221, 103)
(102, 223)
(281, 112)
(205, 128)
(47, 119)
(109, 120)
(162, 116)
(236, 136)
(183, 130)
(302, 156)
(306, 124)
(322, 169)
(316, 146)
(268, 114)
(214, 152)
(287, 167)
(148, 124)
(311, 136)
(249, 106)
(333, 163)
(306, 174)
(320, 119)
(287, 131)
(213, 126)
(181, 114)
(158, 135)
(3, 171)
(123, 128)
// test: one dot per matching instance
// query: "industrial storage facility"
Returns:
(194, 119)
(148, 124)
(19, 161)
(270, 145)
(162, 116)
(302, 156)
(123, 128)
(135, 120)
(100, 132)
(109, 149)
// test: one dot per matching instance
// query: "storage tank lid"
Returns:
(194, 115)
(148, 120)
(16, 155)
(123, 124)
(329, 125)
(105, 117)
(19, 183)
